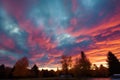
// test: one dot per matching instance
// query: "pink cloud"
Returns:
(7, 42)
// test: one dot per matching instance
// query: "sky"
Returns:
(44, 30)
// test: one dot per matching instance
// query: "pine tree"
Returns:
(82, 66)
(2, 71)
(35, 71)
(113, 63)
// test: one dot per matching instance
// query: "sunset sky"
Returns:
(43, 30)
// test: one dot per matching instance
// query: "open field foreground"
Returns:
(63, 79)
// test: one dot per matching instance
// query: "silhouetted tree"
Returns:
(52, 73)
(113, 63)
(94, 70)
(57, 72)
(35, 71)
(99, 71)
(66, 63)
(103, 71)
(20, 68)
(95, 67)
(2, 71)
(45, 73)
(8, 71)
(82, 66)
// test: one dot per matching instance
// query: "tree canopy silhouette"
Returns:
(2, 71)
(81, 68)
(66, 63)
(35, 71)
(82, 65)
(20, 68)
(113, 63)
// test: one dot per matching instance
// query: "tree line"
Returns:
(81, 68)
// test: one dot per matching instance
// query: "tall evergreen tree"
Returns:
(113, 63)
(2, 71)
(66, 63)
(82, 66)
(35, 71)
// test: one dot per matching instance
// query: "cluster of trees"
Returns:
(84, 68)
(81, 68)
(21, 70)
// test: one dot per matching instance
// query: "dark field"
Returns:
(64, 79)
